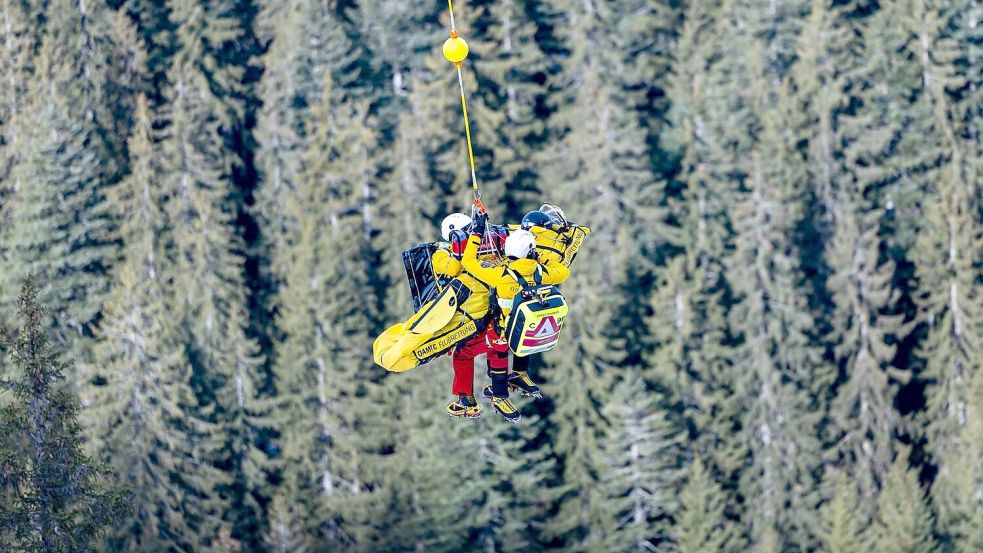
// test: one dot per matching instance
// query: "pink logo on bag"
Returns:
(546, 332)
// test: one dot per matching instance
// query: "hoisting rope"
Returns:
(456, 50)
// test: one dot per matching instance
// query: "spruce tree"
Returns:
(420, 483)
(207, 294)
(642, 469)
(777, 366)
(606, 186)
(60, 228)
(104, 63)
(957, 493)
(146, 420)
(841, 527)
(285, 535)
(320, 368)
(947, 250)
(596, 170)
(307, 43)
(56, 498)
(397, 38)
(16, 65)
(140, 401)
(711, 117)
(508, 98)
(78, 34)
(862, 412)
(948, 258)
(700, 524)
(904, 520)
(819, 85)
(867, 321)
(17, 43)
(423, 184)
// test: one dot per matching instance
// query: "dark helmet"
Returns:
(535, 219)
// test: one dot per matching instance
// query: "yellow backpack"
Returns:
(537, 316)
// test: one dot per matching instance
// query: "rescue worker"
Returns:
(520, 250)
(447, 265)
(557, 241)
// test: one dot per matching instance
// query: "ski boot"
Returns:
(464, 406)
(502, 405)
(520, 382)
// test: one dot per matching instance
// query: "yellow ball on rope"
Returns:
(455, 49)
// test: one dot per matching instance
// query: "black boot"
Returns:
(521, 383)
(503, 405)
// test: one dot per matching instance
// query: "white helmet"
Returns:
(520, 244)
(454, 221)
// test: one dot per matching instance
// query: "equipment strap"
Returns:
(537, 277)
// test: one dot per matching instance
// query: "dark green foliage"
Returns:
(776, 327)
(55, 498)
(60, 228)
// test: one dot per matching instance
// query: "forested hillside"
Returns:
(776, 330)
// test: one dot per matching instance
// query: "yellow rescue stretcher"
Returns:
(458, 313)
(563, 245)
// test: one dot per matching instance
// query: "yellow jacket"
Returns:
(505, 286)
(444, 264)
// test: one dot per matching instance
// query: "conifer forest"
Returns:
(775, 329)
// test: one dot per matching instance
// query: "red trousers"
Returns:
(463, 361)
(498, 363)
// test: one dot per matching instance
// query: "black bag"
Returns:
(424, 284)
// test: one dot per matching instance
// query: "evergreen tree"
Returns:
(967, 100)
(508, 99)
(104, 63)
(862, 412)
(776, 364)
(60, 228)
(140, 401)
(208, 295)
(700, 522)
(867, 321)
(285, 535)
(607, 187)
(596, 169)
(58, 498)
(421, 482)
(914, 99)
(819, 86)
(904, 519)
(397, 36)
(17, 43)
(642, 467)
(841, 526)
(711, 117)
(149, 20)
(145, 422)
(320, 368)
(947, 250)
(307, 43)
(957, 493)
